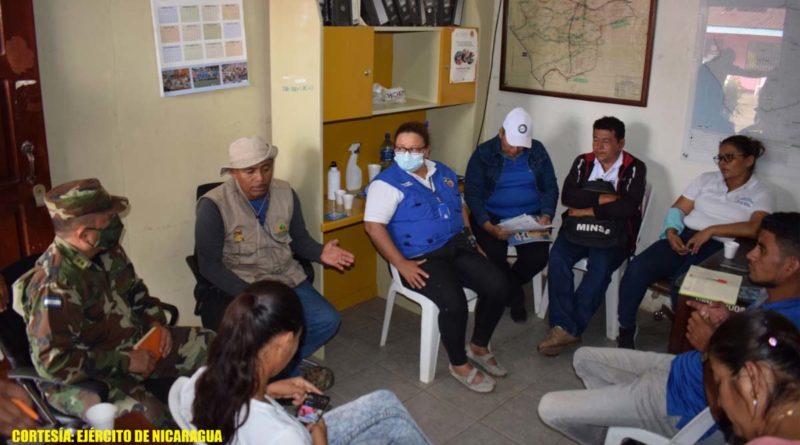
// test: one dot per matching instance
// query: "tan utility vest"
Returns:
(252, 251)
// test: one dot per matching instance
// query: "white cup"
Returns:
(101, 416)
(339, 194)
(730, 249)
(348, 201)
(373, 170)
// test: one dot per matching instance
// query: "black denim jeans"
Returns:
(451, 268)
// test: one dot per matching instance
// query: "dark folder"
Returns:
(429, 7)
(391, 12)
(341, 13)
(416, 11)
(324, 11)
(404, 12)
(373, 12)
(444, 13)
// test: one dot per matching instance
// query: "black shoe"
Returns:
(627, 338)
(519, 314)
(319, 376)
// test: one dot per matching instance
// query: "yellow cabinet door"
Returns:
(358, 283)
(451, 93)
(347, 70)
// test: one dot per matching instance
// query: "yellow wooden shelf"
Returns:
(356, 216)
(410, 105)
(407, 28)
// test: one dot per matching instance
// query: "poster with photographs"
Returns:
(200, 45)
(463, 55)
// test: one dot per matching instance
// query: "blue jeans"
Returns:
(378, 417)
(571, 308)
(322, 320)
(655, 263)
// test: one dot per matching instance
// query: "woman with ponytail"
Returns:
(258, 336)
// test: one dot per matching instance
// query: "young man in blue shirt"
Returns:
(662, 392)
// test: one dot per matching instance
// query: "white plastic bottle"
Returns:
(334, 181)
(353, 173)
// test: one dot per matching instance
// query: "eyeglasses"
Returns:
(727, 157)
(404, 150)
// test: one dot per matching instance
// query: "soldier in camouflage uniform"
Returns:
(85, 309)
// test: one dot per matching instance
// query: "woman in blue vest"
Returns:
(415, 218)
(507, 176)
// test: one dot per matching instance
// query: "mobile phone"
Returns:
(312, 408)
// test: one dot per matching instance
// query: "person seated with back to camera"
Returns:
(507, 176)
(663, 392)
(730, 202)
(603, 193)
(257, 338)
(249, 229)
(755, 363)
(415, 217)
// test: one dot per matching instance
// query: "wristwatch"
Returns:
(473, 242)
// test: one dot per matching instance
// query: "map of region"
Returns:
(577, 47)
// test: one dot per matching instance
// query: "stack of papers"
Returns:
(523, 223)
(711, 285)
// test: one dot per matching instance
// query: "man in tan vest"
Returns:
(249, 229)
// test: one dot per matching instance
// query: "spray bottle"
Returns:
(353, 173)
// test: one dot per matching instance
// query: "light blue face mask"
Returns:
(409, 161)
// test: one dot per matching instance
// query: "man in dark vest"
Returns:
(249, 229)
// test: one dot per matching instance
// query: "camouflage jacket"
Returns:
(84, 315)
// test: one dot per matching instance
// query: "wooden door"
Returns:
(24, 228)
(347, 72)
(452, 93)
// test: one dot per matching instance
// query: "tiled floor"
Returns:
(448, 412)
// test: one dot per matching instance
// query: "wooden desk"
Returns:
(677, 337)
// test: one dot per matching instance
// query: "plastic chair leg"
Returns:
(536, 284)
(387, 315)
(541, 311)
(612, 304)
(428, 344)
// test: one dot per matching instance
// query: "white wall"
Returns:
(104, 118)
(655, 134)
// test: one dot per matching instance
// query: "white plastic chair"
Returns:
(688, 435)
(429, 335)
(537, 283)
(612, 293)
(182, 417)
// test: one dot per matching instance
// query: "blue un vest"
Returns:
(424, 220)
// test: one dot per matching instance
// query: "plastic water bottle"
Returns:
(334, 181)
(387, 152)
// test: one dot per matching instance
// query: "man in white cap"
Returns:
(507, 176)
(250, 228)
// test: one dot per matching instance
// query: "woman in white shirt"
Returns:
(257, 338)
(729, 203)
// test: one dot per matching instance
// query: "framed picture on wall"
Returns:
(581, 49)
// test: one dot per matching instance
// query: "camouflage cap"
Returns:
(80, 198)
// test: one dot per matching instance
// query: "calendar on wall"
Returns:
(200, 45)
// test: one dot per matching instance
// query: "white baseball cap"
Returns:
(517, 126)
(247, 152)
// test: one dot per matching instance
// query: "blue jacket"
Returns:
(483, 172)
(424, 220)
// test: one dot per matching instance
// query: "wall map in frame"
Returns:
(595, 50)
